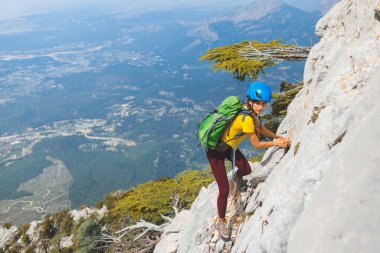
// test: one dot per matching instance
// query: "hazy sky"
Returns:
(14, 8)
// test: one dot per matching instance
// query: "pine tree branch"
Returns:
(247, 59)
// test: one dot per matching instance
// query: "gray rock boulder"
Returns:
(7, 235)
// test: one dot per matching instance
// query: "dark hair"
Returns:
(249, 99)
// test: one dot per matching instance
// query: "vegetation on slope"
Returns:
(152, 199)
(146, 201)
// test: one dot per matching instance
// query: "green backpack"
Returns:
(212, 126)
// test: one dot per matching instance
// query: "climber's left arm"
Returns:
(272, 135)
(269, 133)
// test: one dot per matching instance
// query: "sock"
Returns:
(223, 220)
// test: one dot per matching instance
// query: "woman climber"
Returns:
(244, 124)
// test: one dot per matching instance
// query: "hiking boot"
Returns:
(240, 183)
(223, 229)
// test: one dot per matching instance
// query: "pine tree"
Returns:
(249, 58)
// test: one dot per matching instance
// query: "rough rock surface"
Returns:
(7, 235)
(67, 241)
(86, 212)
(323, 194)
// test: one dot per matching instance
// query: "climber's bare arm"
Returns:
(272, 135)
(269, 133)
(257, 144)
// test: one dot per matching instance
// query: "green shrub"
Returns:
(7, 225)
(66, 250)
(61, 250)
(63, 221)
(190, 183)
(86, 236)
(47, 230)
(79, 222)
(21, 233)
(12, 249)
(81, 207)
(147, 201)
(67, 224)
(111, 199)
(29, 250)
(296, 148)
(151, 199)
(25, 239)
(99, 204)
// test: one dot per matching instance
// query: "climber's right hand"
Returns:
(281, 142)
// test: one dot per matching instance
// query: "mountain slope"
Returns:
(261, 20)
(254, 11)
(321, 195)
(314, 5)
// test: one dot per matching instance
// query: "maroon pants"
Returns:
(216, 159)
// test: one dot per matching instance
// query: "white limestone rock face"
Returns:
(342, 215)
(7, 235)
(86, 212)
(323, 194)
(196, 233)
(66, 242)
(170, 237)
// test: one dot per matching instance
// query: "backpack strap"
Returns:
(244, 112)
(256, 120)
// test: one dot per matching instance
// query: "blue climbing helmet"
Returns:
(259, 91)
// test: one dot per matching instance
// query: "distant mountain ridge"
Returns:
(252, 12)
(261, 20)
(313, 5)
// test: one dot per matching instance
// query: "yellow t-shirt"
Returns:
(238, 126)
